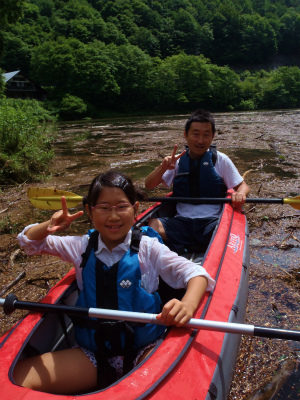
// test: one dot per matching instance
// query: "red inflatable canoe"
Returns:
(188, 364)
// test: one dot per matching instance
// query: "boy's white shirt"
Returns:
(155, 258)
(226, 169)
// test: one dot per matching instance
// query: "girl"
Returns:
(120, 269)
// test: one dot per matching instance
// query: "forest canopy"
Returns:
(137, 55)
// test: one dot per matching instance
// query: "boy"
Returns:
(199, 171)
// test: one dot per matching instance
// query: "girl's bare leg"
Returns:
(61, 372)
(145, 354)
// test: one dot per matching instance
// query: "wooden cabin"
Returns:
(20, 86)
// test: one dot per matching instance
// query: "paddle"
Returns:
(50, 199)
(11, 303)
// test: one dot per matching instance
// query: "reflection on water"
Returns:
(274, 257)
(265, 160)
(139, 171)
(138, 144)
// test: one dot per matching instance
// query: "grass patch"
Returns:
(25, 141)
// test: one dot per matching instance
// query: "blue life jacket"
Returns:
(117, 287)
(199, 178)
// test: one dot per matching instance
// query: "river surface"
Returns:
(265, 146)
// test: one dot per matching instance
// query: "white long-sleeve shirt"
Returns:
(155, 258)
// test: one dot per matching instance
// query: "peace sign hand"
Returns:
(170, 161)
(61, 220)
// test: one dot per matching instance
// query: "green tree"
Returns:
(282, 88)
(19, 59)
(227, 30)
(187, 32)
(193, 78)
(225, 88)
(182, 80)
(249, 89)
(258, 39)
(82, 70)
(11, 12)
(72, 107)
(289, 34)
(162, 88)
(83, 22)
(132, 73)
(146, 41)
(46, 7)
(2, 84)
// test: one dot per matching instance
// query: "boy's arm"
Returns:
(242, 188)
(155, 178)
(240, 194)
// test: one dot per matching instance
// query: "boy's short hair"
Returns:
(200, 116)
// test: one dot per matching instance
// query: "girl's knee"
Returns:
(25, 373)
(62, 372)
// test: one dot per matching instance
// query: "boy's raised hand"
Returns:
(170, 161)
(62, 219)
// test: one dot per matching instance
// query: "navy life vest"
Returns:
(116, 287)
(199, 178)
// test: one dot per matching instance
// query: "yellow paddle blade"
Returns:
(293, 201)
(50, 199)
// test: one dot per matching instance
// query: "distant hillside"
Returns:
(100, 50)
(228, 32)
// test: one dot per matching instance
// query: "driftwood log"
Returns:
(11, 284)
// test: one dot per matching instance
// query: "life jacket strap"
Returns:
(111, 330)
(92, 244)
(136, 237)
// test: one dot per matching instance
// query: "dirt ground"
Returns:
(266, 148)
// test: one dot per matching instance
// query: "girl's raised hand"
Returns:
(170, 161)
(62, 219)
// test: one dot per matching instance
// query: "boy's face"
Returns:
(199, 138)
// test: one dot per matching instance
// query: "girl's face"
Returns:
(112, 226)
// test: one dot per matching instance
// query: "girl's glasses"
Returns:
(103, 208)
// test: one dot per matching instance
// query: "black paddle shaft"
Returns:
(273, 333)
(208, 200)
(12, 303)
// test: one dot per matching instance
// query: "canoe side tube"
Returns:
(224, 371)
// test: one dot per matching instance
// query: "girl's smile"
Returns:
(112, 225)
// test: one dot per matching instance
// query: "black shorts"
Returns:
(183, 233)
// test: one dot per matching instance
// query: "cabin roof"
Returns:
(10, 75)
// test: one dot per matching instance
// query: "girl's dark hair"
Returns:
(200, 116)
(112, 178)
